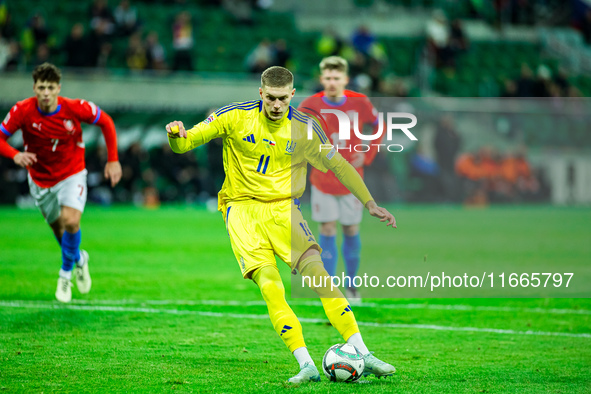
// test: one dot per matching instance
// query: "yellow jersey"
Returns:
(267, 160)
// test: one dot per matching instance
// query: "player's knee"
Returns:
(328, 229)
(319, 279)
(311, 264)
(269, 282)
(70, 219)
(351, 230)
(71, 225)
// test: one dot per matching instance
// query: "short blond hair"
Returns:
(276, 77)
(334, 63)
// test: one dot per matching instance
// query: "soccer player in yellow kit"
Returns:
(267, 146)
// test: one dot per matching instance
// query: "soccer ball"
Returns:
(343, 363)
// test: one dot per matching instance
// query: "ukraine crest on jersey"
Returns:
(264, 160)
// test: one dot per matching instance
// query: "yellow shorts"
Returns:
(260, 230)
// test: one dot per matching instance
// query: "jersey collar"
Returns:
(274, 125)
(59, 107)
(341, 101)
(277, 123)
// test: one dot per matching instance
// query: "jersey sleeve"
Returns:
(10, 124)
(87, 111)
(213, 127)
(5, 149)
(105, 122)
(348, 176)
(319, 151)
(323, 156)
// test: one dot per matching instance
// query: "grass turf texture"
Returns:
(101, 344)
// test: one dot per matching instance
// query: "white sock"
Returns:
(302, 356)
(66, 274)
(357, 341)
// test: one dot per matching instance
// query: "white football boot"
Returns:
(308, 373)
(64, 290)
(83, 281)
(375, 366)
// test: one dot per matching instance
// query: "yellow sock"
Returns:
(335, 305)
(284, 321)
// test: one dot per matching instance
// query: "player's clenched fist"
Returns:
(176, 130)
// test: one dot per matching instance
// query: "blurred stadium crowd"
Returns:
(247, 36)
(157, 37)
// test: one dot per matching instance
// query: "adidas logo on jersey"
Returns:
(250, 138)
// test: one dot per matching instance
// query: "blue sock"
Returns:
(329, 253)
(70, 250)
(351, 253)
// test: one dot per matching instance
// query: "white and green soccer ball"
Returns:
(343, 363)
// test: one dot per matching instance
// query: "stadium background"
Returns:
(170, 315)
(149, 62)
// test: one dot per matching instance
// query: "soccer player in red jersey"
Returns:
(54, 156)
(331, 201)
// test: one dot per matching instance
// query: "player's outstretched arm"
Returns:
(113, 167)
(349, 177)
(382, 213)
(25, 159)
(182, 140)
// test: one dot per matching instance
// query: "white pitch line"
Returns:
(106, 308)
(373, 305)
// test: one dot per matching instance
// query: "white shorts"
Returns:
(346, 209)
(71, 192)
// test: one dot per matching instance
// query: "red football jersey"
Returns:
(351, 102)
(56, 138)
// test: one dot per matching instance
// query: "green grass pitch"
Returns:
(170, 312)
